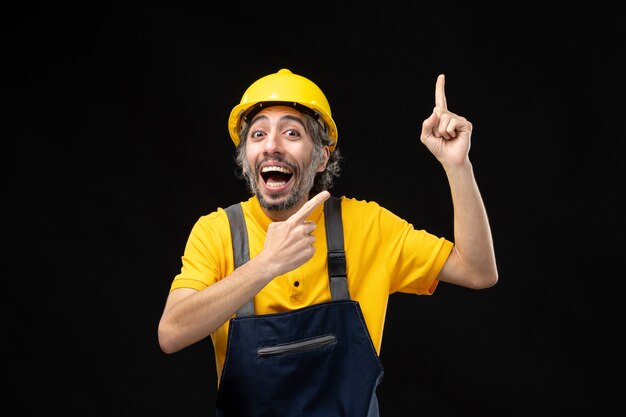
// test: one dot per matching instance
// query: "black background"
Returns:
(116, 142)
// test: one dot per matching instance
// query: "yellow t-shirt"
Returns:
(384, 254)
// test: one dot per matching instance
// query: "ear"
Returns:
(322, 166)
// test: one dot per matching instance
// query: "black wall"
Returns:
(116, 142)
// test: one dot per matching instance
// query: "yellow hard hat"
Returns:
(287, 88)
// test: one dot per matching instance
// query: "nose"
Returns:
(273, 143)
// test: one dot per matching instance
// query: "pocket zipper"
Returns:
(298, 347)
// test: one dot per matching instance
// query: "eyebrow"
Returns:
(286, 117)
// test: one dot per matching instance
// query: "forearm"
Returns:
(474, 257)
(190, 316)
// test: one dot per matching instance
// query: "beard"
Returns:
(304, 180)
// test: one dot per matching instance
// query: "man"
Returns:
(292, 285)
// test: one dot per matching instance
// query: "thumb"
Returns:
(429, 124)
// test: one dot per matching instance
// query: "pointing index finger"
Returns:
(440, 94)
(309, 206)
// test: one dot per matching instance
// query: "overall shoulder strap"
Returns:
(337, 272)
(241, 251)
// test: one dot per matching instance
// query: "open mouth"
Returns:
(276, 176)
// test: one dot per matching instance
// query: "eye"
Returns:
(257, 134)
(292, 133)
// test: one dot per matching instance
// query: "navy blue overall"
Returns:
(316, 361)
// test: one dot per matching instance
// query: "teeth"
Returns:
(274, 184)
(276, 169)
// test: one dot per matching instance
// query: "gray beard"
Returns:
(300, 190)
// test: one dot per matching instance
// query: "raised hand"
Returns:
(446, 134)
(289, 243)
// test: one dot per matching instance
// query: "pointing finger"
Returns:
(309, 206)
(440, 94)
